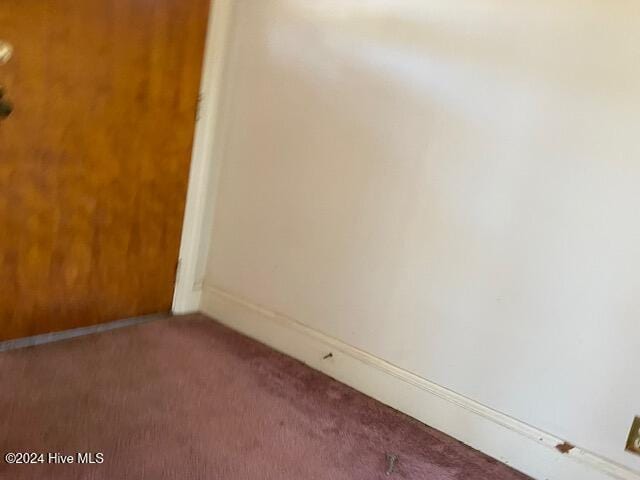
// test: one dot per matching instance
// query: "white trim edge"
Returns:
(202, 174)
(511, 441)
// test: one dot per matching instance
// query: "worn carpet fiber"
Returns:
(185, 398)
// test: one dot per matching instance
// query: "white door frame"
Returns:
(204, 168)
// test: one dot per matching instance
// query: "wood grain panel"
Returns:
(94, 160)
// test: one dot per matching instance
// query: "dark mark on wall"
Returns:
(328, 355)
(564, 447)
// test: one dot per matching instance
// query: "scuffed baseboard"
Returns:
(500, 436)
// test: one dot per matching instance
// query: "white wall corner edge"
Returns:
(509, 440)
(204, 168)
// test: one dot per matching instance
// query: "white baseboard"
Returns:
(507, 439)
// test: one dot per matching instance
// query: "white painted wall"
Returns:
(450, 185)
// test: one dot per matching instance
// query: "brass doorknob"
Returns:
(6, 51)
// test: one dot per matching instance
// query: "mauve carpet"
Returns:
(186, 398)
